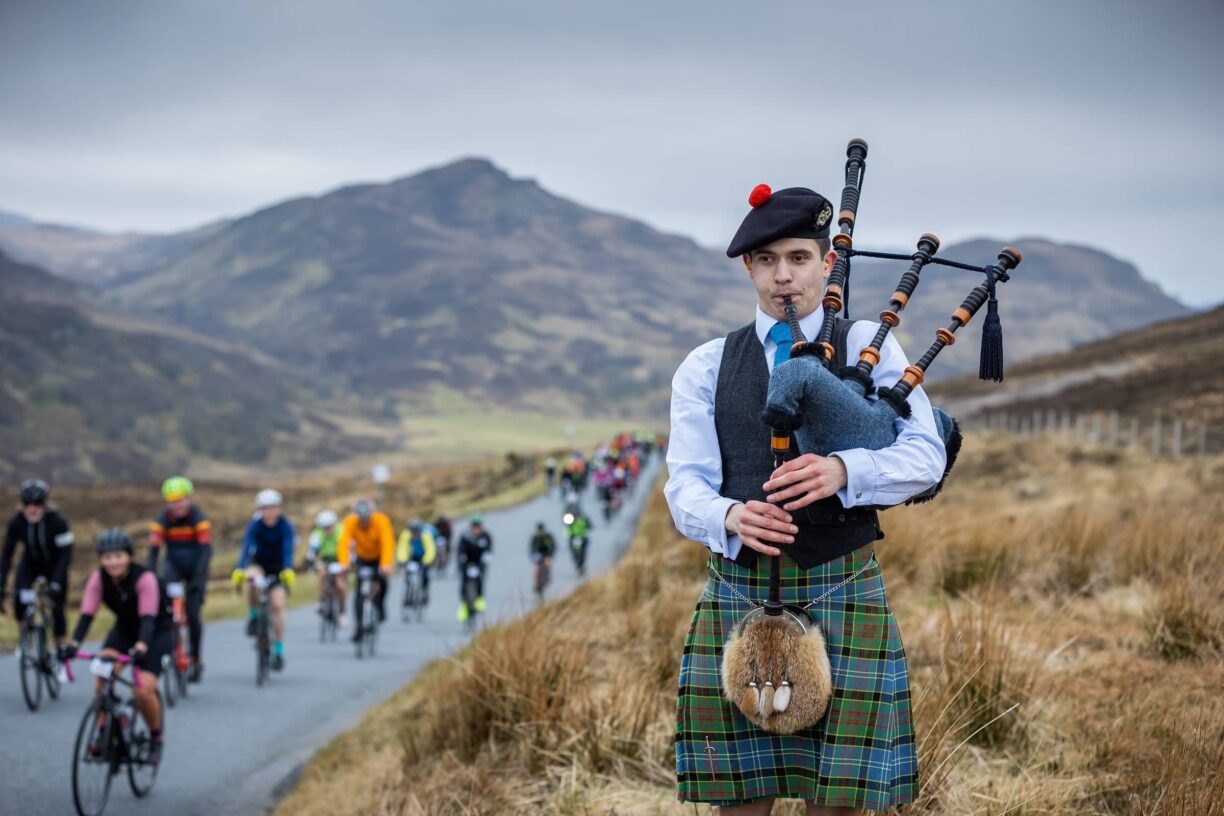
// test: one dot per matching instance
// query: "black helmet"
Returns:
(113, 539)
(34, 491)
(540, 526)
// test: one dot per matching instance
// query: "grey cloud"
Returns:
(1096, 122)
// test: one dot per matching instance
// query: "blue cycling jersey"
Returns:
(269, 547)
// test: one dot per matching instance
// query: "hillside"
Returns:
(89, 394)
(91, 257)
(1061, 296)
(462, 281)
(1171, 369)
(1062, 629)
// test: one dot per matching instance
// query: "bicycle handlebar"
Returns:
(122, 660)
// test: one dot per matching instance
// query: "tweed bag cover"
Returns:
(861, 754)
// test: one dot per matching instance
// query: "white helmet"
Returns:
(268, 498)
(326, 518)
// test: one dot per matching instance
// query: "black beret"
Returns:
(795, 212)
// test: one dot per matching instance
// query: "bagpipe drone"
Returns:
(830, 410)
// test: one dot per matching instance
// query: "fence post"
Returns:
(1134, 432)
(1156, 437)
(1113, 429)
(1202, 439)
(1177, 437)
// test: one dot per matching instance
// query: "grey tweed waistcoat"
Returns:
(827, 530)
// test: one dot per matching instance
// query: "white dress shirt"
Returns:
(889, 476)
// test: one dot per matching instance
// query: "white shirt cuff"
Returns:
(716, 528)
(860, 477)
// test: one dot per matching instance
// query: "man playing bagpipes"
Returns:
(816, 512)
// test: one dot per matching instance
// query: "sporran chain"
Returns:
(806, 606)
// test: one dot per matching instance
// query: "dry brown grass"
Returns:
(1061, 611)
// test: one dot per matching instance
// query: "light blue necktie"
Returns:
(781, 334)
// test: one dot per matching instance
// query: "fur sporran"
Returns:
(775, 669)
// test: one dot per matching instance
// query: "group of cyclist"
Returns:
(180, 551)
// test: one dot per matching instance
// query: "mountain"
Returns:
(88, 256)
(89, 394)
(12, 219)
(1171, 369)
(464, 281)
(1060, 296)
(459, 278)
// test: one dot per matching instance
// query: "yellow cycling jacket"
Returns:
(377, 541)
(404, 551)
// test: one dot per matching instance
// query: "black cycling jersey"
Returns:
(543, 544)
(48, 547)
(472, 549)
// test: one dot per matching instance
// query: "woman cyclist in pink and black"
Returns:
(144, 624)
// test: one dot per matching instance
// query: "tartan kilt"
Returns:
(861, 754)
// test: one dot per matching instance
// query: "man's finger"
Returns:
(766, 509)
(777, 536)
(773, 523)
(822, 491)
(760, 546)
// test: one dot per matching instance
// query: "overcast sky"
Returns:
(1087, 122)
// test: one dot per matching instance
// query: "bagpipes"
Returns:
(775, 666)
(830, 410)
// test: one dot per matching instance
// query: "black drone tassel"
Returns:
(991, 364)
(846, 293)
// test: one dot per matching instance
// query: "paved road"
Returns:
(232, 747)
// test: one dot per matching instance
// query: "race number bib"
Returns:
(101, 667)
(28, 596)
(175, 589)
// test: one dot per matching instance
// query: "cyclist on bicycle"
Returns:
(578, 530)
(367, 537)
(324, 551)
(186, 535)
(543, 547)
(47, 554)
(268, 550)
(475, 548)
(443, 539)
(144, 626)
(417, 544)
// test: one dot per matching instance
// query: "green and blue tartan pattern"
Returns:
(862, 754)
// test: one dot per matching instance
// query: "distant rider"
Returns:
(186, 536)
(268, 551)
(476, 549)
(48, 553)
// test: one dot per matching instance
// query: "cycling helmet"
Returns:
(540, 526)
(268, 498)
(34, 491)
(414, 524)
(177, 487)
(364, 508)
(478, 521)
(113, 539)
(326, 518)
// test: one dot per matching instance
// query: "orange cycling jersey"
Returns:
(374, 541)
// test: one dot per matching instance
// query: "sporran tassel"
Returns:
(991, 364)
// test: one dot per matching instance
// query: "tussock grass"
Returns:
(1061, 612)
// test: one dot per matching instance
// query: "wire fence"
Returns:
(1173, 437)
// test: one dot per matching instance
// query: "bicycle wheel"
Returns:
(91, 775)
(262, 649)
(51, 664)
(32, 640)
(141, 775)
(167, 679)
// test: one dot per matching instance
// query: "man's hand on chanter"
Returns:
(759, 524)
(807, 479)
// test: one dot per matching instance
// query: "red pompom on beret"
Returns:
(759, 195)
